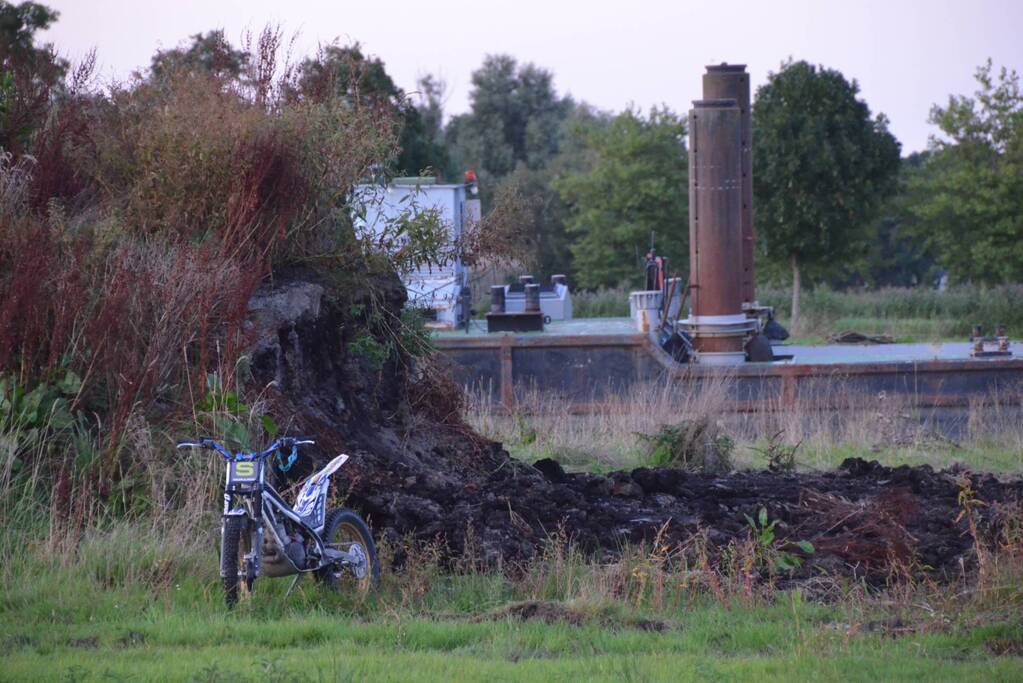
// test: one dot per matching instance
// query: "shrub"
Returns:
(697, 445)
(138, 222)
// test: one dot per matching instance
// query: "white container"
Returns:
(644, 309)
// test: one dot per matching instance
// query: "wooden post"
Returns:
(507, 377)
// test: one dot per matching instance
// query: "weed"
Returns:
(369, 349)
(527, 434)
(780, 456)
(694, 445)
(968, 504)
(773, 553)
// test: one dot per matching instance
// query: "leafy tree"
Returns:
(971, 208)
(210, 53)
(430, 106)
(511, 136)
(636, 188)
(29, 73)
(896, 253)
(515, 117)
(823, 167)
(18, 26)
(347, 71)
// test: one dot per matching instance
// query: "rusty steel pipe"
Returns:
(717, 322)
(730, 81)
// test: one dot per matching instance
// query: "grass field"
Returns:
(139, 598)
(907, 314)
(892, 430)
(140, 611)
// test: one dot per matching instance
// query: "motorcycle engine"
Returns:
(295, 550)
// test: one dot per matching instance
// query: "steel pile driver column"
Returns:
(717, 324)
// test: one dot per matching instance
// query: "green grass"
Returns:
(984, 456)
(432, 651)
(906, 313)
(318, 637)
(129, 603)
(981, 456)
(601, 303)
(909, 314)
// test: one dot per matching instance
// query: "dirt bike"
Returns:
(262, 535)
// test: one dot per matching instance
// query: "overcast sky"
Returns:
(905, 55)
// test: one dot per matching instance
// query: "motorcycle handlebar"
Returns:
(286, 442)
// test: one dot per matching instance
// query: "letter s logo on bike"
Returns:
(244, 470)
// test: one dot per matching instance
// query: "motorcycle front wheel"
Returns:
(345, 530)
(235, 543)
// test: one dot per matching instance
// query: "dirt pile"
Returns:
(414, 475)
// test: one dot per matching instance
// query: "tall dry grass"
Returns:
(604, 434)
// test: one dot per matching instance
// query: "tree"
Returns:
(823, 166)
(430, 105)
(210, 53)
(18, 26)
(635, 189)
(971, 188)
(511, 136)
(348, 72)
(515, 117)
(896, 252)
(29, 73)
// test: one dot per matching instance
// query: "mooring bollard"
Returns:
(497, 299)
(977, 337)
(532, 298)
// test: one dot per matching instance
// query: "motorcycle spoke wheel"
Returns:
(236, 543)
(346, 531)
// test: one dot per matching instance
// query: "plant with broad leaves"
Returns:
(772, 551)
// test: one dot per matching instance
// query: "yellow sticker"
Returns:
(245, 469)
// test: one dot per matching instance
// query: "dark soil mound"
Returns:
(417, 473)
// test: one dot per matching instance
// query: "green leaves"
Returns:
(230, 417)
(70, 384)
(45, 407)
(768, 551)
(373, 352)
(805, 546)
(971, 183)
(696, 445)
(634, 190)
(269, 426)
(822, 166)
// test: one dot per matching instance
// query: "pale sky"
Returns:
(906, 55)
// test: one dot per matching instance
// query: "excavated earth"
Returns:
(418, 473)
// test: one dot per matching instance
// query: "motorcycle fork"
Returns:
(251, 559)
(255, 553)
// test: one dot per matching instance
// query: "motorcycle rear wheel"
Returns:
(346, 530)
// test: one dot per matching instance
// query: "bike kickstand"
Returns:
(294, 582)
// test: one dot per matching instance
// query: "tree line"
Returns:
(835, 203)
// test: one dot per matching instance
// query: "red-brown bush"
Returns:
(142, 219)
